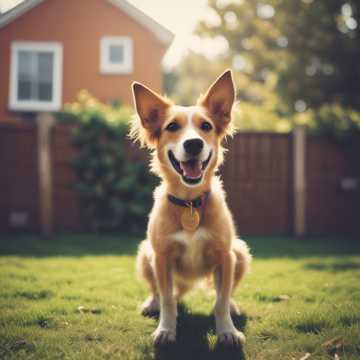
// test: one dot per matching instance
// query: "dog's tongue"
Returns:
(191, 168)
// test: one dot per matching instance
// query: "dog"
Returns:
(191, 233)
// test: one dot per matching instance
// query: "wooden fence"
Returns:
(262, 191)
(257, 178)
(19, 185)
(333, 188)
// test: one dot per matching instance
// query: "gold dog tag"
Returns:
(190, 219)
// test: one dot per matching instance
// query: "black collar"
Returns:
(196, 203)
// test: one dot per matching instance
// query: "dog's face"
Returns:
(187, 140)
(188, 143)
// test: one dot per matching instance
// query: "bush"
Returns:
(115, 188)
(251, 117)
(329, 121)
(334, 122)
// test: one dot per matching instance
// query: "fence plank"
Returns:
(45, 122)
(299, 180)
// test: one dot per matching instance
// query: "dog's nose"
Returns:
(193, 146)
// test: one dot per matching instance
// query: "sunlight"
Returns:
(180, 18)
(5, 5)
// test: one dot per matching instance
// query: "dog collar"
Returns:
(196, 203)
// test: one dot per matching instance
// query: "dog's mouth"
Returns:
(191, 170)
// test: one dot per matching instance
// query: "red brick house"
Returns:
(51, 49)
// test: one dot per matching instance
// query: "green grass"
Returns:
(44, 282)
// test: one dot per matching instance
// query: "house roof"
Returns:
(161, 33)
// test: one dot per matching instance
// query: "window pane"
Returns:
(25, 65)
(45, 76)
(45, 91)
(26, 75)
(45, 66)
(24, 90)
(35, 75)
(116, 54)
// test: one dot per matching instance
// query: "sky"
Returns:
(180, 17)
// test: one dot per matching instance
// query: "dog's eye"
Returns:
(206, 126)
(173, 126)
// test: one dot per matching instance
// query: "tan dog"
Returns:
(191, 233)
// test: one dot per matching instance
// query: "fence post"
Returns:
(45, 121)
(299, 176)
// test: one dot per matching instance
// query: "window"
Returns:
(35, 76)
(116, 55)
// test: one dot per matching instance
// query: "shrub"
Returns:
(113, 183)
(336, 123)
(329, 121)
(251, 117)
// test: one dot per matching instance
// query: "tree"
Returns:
(287, 55)
(324, 48)
(192, 77)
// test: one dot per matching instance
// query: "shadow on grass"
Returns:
(193, 341)
(76, 245)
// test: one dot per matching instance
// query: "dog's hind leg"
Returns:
(151, 305)
(181, 288)
(242, 265)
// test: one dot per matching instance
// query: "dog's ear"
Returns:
(219, 100)
(150, 107)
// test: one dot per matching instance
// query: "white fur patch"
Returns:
(190, 132)
(194, 246)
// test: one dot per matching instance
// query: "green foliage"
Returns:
(333, 122)
(114, 186)
(250, 117)
(308, 49)
(180, 84)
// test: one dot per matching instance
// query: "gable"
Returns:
(160, 32)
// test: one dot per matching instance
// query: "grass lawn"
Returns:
(77, 297)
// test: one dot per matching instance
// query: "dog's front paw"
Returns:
(163, 337)
(231, 338)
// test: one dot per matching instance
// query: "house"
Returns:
(51, 49)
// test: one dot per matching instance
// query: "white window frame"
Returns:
(35, 105)
(106, 67)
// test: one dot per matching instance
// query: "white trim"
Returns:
(162, 34)
(30, 105)
(107, 67)
(17, 11)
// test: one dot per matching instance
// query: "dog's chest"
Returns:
(192, 258)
